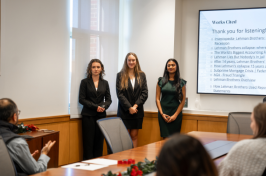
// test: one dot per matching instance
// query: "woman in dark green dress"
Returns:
(172, 91)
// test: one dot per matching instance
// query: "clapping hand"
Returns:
(46, 149)
(34, 153)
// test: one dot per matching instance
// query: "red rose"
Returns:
(133, 172)
(136, 168)
(139, 173)
(32, 127)
(119, 174)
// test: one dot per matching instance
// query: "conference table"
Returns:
(149, 151)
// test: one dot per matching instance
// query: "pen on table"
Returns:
(79, 165)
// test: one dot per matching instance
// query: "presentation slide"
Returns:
(232, 51)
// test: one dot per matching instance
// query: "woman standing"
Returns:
(95, 97)
(132, 92)
(173, 91)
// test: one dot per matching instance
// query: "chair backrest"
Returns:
(264, 173)
(7, 167)
(239, 123)
(115, 133)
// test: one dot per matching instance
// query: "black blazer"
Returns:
(91, 99)
(128, 97)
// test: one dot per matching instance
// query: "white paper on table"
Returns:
(102, 161)
(84, 166)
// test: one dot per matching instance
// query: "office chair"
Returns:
(239, 123)
(115, 134)
(264, 173)
(7, 166)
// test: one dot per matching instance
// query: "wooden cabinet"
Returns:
(38, 141)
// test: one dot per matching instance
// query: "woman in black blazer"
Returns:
(95, 97)
(132, 92)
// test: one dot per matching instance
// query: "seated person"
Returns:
(183, 155)
(16, 144)
(248, 157)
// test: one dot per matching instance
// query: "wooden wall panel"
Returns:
(75, 138)
(150, 131)
(189, 125)
(216, 118)
(63, 128)
(44, 120)
(210, 126)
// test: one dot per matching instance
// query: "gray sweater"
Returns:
(20, 153)
(246, 158)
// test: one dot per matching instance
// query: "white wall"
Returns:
(149, 32)
(200, 103)
(35, 56)
(35, 51)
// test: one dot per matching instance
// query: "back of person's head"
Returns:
(264, 100)
(183, 155)
(259, 114)
(7, 109)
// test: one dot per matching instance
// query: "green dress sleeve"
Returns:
(160, 81)
(183, 82)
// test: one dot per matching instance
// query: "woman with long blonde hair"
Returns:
(132, 92)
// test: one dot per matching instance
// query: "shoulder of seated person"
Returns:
(17, 141)
(250, 142)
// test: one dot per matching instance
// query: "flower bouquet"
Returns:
(25, 128)
(139, 169)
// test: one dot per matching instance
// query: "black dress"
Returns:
(91, 98)
(128, 97)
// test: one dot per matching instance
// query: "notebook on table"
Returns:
(219, 148)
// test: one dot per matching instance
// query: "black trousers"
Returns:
(92, 138)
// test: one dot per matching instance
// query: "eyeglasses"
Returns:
(19, 111)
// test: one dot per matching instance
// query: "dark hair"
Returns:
(183, 155)
(259, 113)
(89, 74)
(177, 80)
(7, 109)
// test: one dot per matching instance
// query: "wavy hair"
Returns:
(177, 79)
(259, 113)
(124, 71)
(89, 74)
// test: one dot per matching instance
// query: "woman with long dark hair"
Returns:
(248, 157)
(132, 92)
(170, 99)
(95, 97)
(183, 155)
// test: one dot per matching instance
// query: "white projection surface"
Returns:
(232, 51)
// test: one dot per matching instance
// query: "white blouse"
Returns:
(132, 82)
